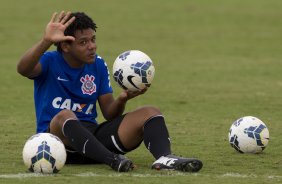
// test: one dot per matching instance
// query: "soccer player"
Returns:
(68, 83)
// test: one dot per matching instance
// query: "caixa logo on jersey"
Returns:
(88, 85)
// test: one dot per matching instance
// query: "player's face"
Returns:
(83, 49)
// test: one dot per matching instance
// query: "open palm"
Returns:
(55, 29)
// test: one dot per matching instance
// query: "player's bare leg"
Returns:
(58, 122)
(131, 129)
(147, 123)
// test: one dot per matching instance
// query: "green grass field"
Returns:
(216, 61)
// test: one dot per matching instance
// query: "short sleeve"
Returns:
(105, 86)
(44, 61)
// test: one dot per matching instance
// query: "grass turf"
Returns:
(215, 61)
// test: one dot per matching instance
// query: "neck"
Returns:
(72, 62)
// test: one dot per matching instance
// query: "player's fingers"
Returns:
(61, 16)
(65, 18)
(53, 17)
(144, 90)
(134, 93)
(69, 38)
(69, 21)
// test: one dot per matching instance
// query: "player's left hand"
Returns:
(126, 94)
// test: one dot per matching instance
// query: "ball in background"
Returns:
(133, 70)
(248, 135)
(44, 153)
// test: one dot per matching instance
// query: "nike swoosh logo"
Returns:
(61, 79)
(129, 78)
(83, 150)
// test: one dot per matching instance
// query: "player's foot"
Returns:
(173, 162)
(121, 163)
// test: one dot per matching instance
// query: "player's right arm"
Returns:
(29, 65)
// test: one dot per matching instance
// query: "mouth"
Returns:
(92, 55)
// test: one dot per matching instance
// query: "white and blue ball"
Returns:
(44, 153)
(248, 135)
(133, 70)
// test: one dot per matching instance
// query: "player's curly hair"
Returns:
(81, 22)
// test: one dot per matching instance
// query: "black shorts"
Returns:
(107, 134)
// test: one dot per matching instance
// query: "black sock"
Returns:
(156, 137)
(85, 143)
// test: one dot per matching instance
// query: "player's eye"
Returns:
(83, 42)
(93, 39)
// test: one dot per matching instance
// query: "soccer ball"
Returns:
(133, 70)
(44, 153)
(248, 135)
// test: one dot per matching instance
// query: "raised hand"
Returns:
(55, 29)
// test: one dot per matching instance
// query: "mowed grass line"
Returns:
(161, 177)
(215, 61)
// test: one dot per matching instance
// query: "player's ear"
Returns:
(65, 46)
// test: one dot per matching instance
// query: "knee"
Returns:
(63, 115)
(150, 111)
(57, 123)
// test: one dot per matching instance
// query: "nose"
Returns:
(92, 45)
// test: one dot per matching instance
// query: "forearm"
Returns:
(116, 108)
(30, 59)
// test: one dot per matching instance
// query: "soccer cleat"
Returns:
(121, 163)
(172, 162)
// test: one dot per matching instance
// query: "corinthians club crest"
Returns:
(88, 86)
